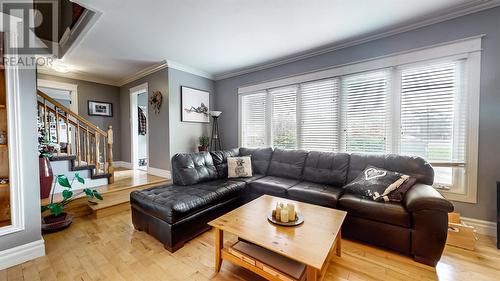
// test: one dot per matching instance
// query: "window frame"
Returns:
(467, 48)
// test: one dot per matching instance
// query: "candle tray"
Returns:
(299, 218)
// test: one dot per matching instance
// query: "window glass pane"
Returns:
(430, 122)
(319, 126)
(365, 105)
(284, 122)
(253, 120)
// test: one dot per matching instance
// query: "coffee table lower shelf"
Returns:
(260, 267)
(270, 265)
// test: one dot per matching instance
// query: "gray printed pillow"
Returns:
(375, 183)
(239, 167)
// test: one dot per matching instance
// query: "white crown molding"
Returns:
(162, 65)
(78, 76)
(452, 13)
(23, 253)
(143, 72)
(188, 69)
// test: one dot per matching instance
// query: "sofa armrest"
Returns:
(425, 197)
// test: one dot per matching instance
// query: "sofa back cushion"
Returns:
(287, 163)
(413, 166)
(192, 168)
(326, 168)
(220, 160)
(260, 158)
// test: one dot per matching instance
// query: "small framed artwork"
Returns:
(195, 105)
(98, 108)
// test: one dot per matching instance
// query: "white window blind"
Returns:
(253, 120)
(284, 117)
(433, 111)
(365, 110)
(319, 115)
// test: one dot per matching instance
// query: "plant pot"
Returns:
(46, 177)
(53, 223)
(202, 148)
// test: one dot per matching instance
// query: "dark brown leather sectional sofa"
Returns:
(200, 192)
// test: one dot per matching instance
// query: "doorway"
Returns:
(139, 127)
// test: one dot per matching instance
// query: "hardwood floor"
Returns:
(110, 249)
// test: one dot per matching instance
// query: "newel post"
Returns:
(111, 169)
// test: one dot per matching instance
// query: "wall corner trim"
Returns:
(23, 253)
(159, 172)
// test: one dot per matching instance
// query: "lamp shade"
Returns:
(215, 113)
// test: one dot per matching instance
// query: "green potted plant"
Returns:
(53, 216)
(204, 140)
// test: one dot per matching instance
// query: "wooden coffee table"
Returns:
(311, 243)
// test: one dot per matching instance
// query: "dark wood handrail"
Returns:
(71, 113)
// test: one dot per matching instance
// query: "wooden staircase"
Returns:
(87, 147)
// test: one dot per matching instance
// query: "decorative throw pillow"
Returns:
(399, 194)
(375, 183)
(239, 167)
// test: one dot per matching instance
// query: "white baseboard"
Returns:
(23, 253)
(123, 164)
(159, 172)
(482, 227)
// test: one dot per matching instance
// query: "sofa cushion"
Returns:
(413, 166)
(250, 179)
(287, 163)
(220, 160)
(260, 158)
(192, 168)
(315, 193)
(326, 168)
(390, 212)
(272, 185)
(173, 203)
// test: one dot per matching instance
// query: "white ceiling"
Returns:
(222, 36)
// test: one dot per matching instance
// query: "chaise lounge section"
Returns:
(201, 191)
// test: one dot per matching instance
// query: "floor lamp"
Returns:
(215, 140)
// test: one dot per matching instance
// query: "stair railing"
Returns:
(90, 145)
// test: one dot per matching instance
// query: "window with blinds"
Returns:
(416, 109)
(319, 115)
(253, 120)
(284, 117)
(433, 117)
(365, 110)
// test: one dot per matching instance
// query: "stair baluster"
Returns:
(84, 146)
(57, 132)
(111, 169)
(68, 138)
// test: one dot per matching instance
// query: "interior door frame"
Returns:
(134, 92)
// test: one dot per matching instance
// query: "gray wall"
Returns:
(158, 125)
(184, 135)
(485, 22)
(96, 92)
(31, 187)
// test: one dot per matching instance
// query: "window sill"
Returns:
(458, 197)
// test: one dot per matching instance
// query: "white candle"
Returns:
(284, 215)
(278, 213)
(291, 211)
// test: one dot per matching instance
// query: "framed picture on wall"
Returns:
(195, 105)
(98, 108)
